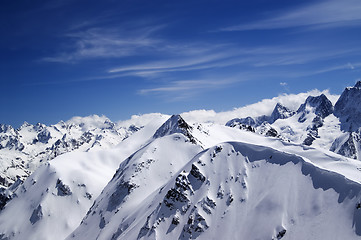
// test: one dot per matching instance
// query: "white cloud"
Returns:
(264, 107)
(348, 66)
(283, 83)
(213, 57)
(107, 43)
(321, 14)
(351, 66)
(185, 89)
(193, 61)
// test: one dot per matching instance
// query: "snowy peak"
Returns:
(248, 121)
(22, 150)
(24, 125)
(280, 112)
(175, 124)
(138, 177)
(4, 128)
(320, 105)
(347, 108)
(358, 85)
(9, 139)
(91, 122)
(228, 192)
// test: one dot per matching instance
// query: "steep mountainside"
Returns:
(233, 190)
(348, 109)
(23, 150)
(53, 200)
(316, 122)
(288, 173)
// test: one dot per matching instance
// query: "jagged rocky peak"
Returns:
(4, 128)
(132, 128)
(348, 109)
(266, 129)
(43, 136)
(241, 121)
(347, 145)
(358, 84)
(39, 127)
(320, 105)
(24, 125)
(61, 124)
(175, 124)
(280, 112)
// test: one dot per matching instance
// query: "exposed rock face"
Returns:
(312, 130)
(320, 105)
(280, 112)
(63, 190)
(22, 150)
(44, 136)
(37, 215)
(348, 108)
(267, 130)
(347, 145)
(239, 121)
(124, 188)
(175, 124)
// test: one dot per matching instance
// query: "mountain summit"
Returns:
(175, 124)
(320, 105)
(280, 112)
(348, 108)
(284, 174)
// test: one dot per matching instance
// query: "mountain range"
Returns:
(292, 172)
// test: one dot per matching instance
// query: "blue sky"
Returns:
(118, 58)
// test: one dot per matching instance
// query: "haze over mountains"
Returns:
(286, 168)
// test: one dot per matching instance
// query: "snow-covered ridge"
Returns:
(347, 108)
(175, 124)
(234, 187)
(316, 122)
(168, 177)
(53, 200)
(24, 149)
(264, 107)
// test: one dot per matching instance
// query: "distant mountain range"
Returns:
(292, 174)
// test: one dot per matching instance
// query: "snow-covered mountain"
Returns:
(56, 197)
(317, 122)
(288, 172)
(347, 108)
(23, 150)
(234, 191)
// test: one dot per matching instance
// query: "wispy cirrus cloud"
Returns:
(184, 89)
(155, 58)
(208, 59)
(321, 14)
(221, 57)
(107, 43)
(176, 86)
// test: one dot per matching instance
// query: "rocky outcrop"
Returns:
(175, 124)
(348, 109)
(319, 105)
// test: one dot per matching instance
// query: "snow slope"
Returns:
(234, 190)
(53, 200)
(242, 191)
(267, 176)
(23, 150)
